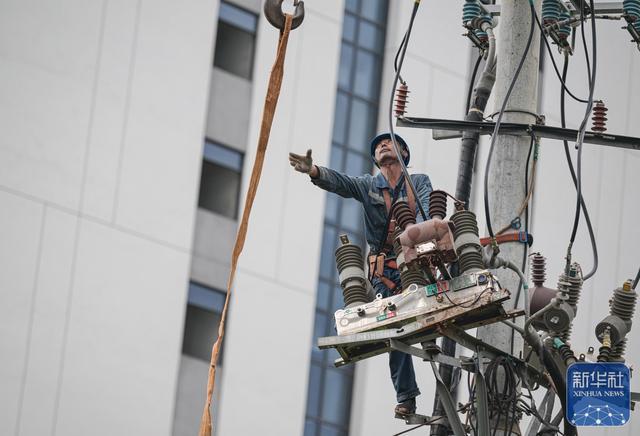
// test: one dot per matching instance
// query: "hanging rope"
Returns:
(271, 100)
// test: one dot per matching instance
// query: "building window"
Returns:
(204, 309)
(236, 40)
(363, 33)
(220, 179)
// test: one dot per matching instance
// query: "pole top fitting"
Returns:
(275, 16)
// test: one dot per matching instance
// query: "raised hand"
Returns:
(301, 163)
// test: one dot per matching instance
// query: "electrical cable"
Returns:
(395, 59)
(502, 399)
(396, 148)
(526, 230)
(499, 121)
(583, 126)
(472, 83)
(553, 61)
(467, 306)
(585, 211)
(635, 282)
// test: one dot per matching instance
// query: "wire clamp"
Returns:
(516, 223)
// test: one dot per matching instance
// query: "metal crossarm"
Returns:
(550, 132)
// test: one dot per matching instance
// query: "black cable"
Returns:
(472, 83)
(583, 124)
(635, 282)
(467, 306)
(497, 127)
(395, 59)
(526, 229)
(577, 177)
(553, 61)
(506, 398)
(585, 211)
(416, 4)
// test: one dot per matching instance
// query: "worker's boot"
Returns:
(406, 408)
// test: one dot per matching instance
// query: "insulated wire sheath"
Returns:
(587, 218)
(396, 148)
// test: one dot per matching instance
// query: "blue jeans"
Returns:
(400, 364)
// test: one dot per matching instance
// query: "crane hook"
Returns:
(273, 12)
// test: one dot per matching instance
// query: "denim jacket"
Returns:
(367, 189)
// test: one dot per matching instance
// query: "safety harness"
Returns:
(377, 261)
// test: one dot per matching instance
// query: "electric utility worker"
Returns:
(377, 194)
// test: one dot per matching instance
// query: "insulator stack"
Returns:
(397, 246)
(599, 117)
(632, 11)
(350, 264)
(412, 274)
(466, 241)
(567, 354)
(604, 353)
(550, 11)
(402, 97)
(538, 269)
(559, 316)
(470, 10)
(623, 305)
(540, 294)
(564, 31)
(574, 286)
(438, 204)
(403, 214)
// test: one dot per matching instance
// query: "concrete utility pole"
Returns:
(507, 172)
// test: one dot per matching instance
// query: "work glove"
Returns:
(301, 163)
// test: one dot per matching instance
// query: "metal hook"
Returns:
(273, 12)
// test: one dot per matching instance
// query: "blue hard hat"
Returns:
(375, 141)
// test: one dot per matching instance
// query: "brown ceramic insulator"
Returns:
(402, 94)
(403, 214)
(599, 117)
(469, 256)
(538, 269)
(438, 204)
(397, 246)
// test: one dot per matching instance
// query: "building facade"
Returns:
(127, 136)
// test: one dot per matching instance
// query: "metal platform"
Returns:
(358, 346)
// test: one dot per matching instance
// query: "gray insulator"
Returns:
(349, 262)
(558, 318)
(618, 328)
(412, 275)
(617, 351)
(623, 305)
(467, 242)
(573, 286)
